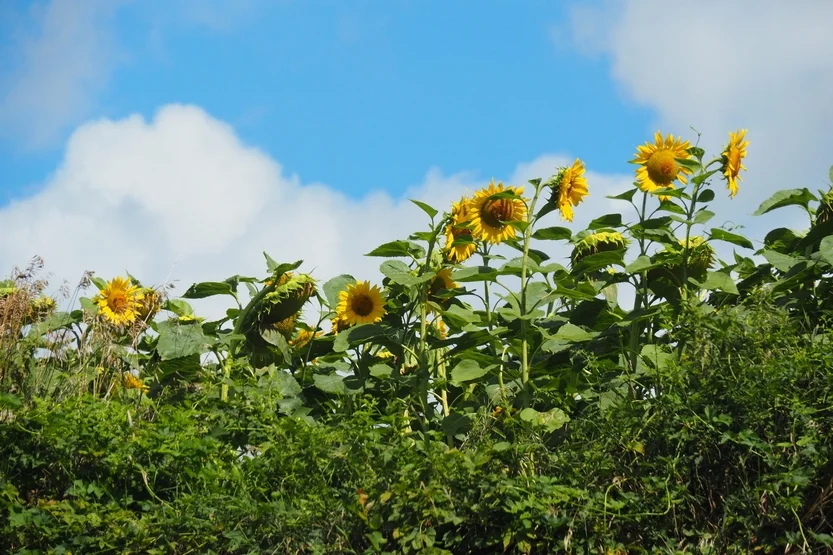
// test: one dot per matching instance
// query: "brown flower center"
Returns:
(117, 302)
(362, 305)
(496, 212)
(662, 167)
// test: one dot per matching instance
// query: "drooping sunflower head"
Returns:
(440, 329)
(490, 218)
(824, 212)
(149, 306)
(594, 243)
(658, 166)
(701, 255)
(732, 158)
(569, 187)
(360, 303)
(119, 301)
(458, 231)
(286, 299)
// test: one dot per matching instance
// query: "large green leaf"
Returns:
(334, 286)
(467, 370)
(475, 273)
(720, 281)
(787, 197)
(356, 336)
(208, 289)
(553, 234)
(550, 420)
(396, 248)
(428, 209)
(826, 249)
(779, 261)
(734, 238)
(608, 220)
(329, 383)
(572, 333)
(181, 340)
(399, 272)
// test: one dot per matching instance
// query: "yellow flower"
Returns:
(150, 305)
(133, 382)
(304, 336)
(658, 163)
(360, 304)
(733, 155)
(441, 282)
(455, 231)
(569, 189)
(442, 329)
(119, 301)
(490, 217)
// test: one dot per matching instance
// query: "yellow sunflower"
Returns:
(360, 304)
(442, 281)
(303, 338)
(490, 217)
(658, 163)
(455, 231)
(569, 188)
(733, 155)
(134, 382)
(120, 301)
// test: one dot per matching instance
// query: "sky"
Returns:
(180, 139)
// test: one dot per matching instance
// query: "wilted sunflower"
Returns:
(490, 217)
(700, 254)
(149, 306)
(119, 301)
(569, 187)
(456, 230)
(360, 304)
(600, 241)
(733, 155)
(658, 163)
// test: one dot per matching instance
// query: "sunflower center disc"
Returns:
(498, 211)
(662, 167)
(117, 303)
(363, 305)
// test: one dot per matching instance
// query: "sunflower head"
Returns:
(360, 303)
(303, 338)
(134, 382)
(42, 307)
(149, 306)
(119, 301)
(440, 329)
(658, 166)
(701, 257)
(288, 297)
(732, 159)
(286, 327)
(824, 212)
(457, 230)
(491, 217)
(569, 187)
(594, 243)
(441, 282)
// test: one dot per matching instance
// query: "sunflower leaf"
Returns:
(176, 340)
(553, 234)
(208, 289)
(428, 209)
(98, 282)
(723, 235)
(550, 420)
(356, 336)
(330, 383)
(717, 280)
(608, 220)
(468, 370)
(786, 197)
(393, 248)
(706, 195)
(574, 334)
(474, 273)
(399, 272)
(703, 216)
(336, 285)
(826, 249)
(627, 195)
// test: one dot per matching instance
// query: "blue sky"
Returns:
(360, 97)
(179, 139)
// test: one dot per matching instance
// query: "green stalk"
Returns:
(525, 262)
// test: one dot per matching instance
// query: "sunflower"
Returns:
(457, 231)
(441, 282)
(824, 212)
(120, 301)
(569, 187)
(733, 155)
(134, 382)
(149, 306)
(658, 163)
(700, 254)
(303, 338)
(600, 241)
(440, 328)
(490, 218)
(360, 304)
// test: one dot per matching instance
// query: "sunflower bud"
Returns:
(598, 242)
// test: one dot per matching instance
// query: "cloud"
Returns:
(718, 66)
(59, 65)
(181, 199)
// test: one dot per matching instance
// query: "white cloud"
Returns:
(182, 198)
(58, 68)
(718, 66)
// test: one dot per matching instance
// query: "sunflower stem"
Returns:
(524, 264)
